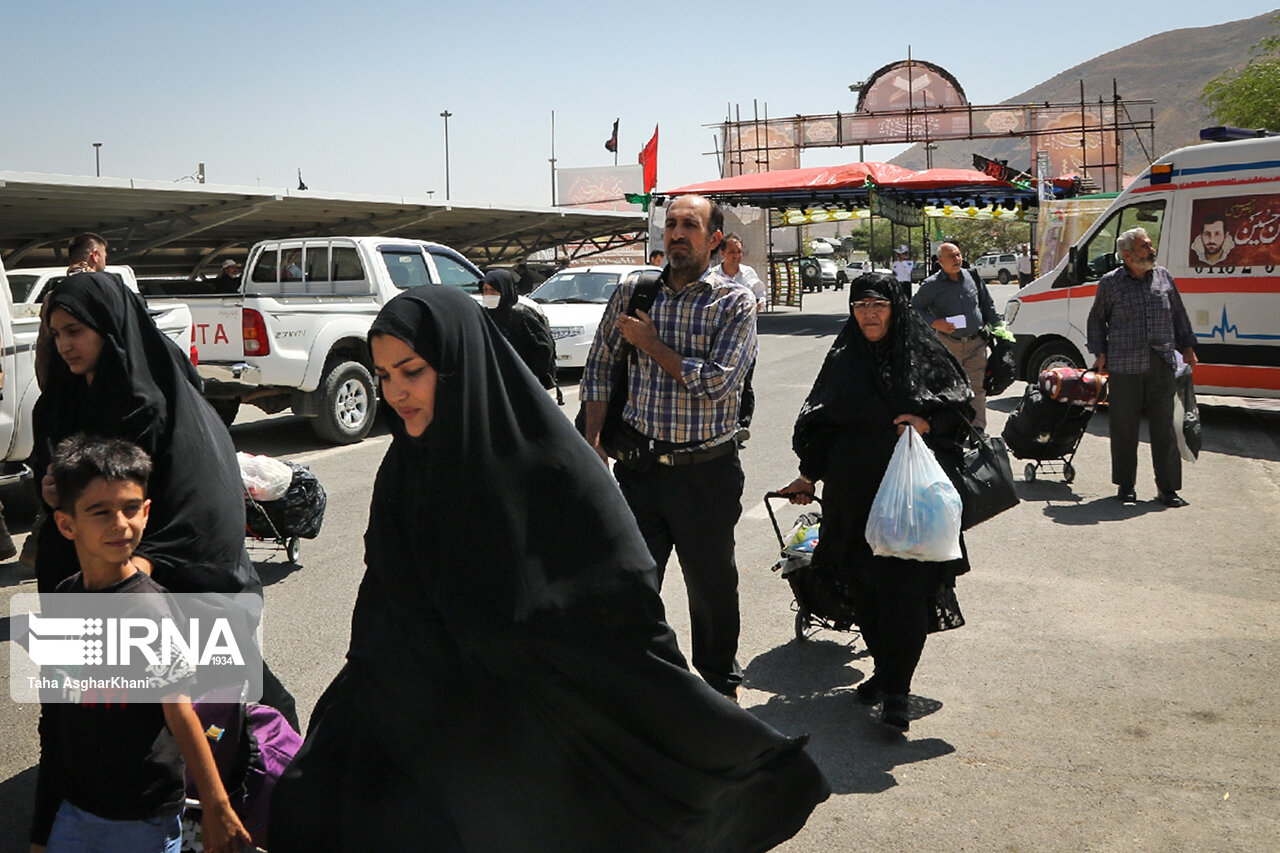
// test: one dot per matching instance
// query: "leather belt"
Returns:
(956, 337)
(690, 457)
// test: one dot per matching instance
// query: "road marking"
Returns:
(342, 448)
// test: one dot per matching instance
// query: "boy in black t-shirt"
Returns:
(114, 770)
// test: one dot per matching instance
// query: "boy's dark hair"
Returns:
(81, 459)
(82, 244)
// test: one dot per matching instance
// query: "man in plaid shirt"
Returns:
(693, 350)
(1136, 325)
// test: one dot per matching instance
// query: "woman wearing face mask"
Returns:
(517, 690)
(525, 330)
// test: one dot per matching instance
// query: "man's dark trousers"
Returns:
(694, 508)
(1129, 395)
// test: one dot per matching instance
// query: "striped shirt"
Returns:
(1131, 317)
(711, 323)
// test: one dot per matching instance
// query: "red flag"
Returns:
(611, 144)
(649, 159)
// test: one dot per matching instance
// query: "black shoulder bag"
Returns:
(1002, 370)
(980, 470)
(619, 440)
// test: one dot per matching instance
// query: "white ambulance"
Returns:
(1213, 213)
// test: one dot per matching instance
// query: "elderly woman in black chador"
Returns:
(884, 371)
(511, 683)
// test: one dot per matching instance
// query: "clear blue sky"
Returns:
(352, 92)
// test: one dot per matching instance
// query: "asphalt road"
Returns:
(1115, 688)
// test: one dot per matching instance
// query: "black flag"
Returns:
(611, 144)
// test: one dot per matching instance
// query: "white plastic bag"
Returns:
(916, 512)
(265, 478)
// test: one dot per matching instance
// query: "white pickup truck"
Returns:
(19, 324)
(295, 335)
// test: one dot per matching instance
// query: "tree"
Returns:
(1249, 96)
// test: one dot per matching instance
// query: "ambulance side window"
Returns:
(1099, 256)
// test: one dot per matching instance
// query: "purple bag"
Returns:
(252, 744)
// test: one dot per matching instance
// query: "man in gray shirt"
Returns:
(957, 306)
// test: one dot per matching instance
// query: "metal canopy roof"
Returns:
(169, 229)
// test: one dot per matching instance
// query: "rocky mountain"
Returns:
(1170, 68)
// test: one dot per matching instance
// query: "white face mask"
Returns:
(491, 300)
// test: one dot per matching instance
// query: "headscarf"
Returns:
(864, 384)
(508, 642)
(505, 283)
(145, 390)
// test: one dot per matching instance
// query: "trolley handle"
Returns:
(777, 531)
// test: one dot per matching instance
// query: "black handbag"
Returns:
(981, 473)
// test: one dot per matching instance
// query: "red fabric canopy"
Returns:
(940, 179)
(850, 175)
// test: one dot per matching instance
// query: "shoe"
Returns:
(736, 696)
(896, 712)
(1126, 495)
(1173, 500)
(869, 692)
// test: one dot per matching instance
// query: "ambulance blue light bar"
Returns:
(1227, 134)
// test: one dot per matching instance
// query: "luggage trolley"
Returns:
(260, 528)
(1051, 420)
(296, 516)
(818, 604)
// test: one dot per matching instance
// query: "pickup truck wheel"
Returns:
(1050, 355)
(1004, 276)
(227, 409)
(347, 404)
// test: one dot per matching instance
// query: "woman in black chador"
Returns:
(524, 329)
(511, 684)
(886, 369)
(116, 375)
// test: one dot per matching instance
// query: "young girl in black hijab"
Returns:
(886, 369)
(511, 683)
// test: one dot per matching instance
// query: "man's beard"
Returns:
(687, 262)
(1143, 265)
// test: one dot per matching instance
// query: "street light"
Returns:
(445, 115)
(929, 148)
(97, 159)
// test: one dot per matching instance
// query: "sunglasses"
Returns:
(872, 305)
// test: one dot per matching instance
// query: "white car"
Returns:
(998, 265)
(573, 301)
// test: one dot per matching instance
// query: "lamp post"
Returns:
(97, 159)
(445, 115)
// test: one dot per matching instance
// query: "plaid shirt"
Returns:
(1131, 317)
(711, 323)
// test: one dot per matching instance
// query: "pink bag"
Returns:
(1072, 385)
